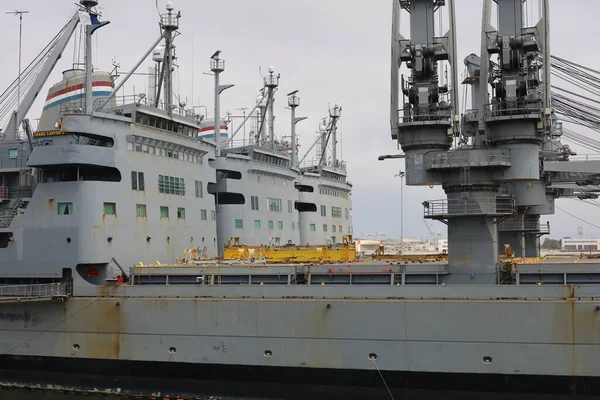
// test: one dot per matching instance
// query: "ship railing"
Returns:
(469, 207)
(240, 143)
(512, 108)
(459, 159)
(524, 225)
(585, 157)
(315, 162)
(78, 106)
(11, 192)
(42, 291)
(411, 115)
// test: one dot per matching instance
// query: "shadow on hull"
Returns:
(139, 378)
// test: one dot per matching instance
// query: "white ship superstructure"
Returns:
(107, 184)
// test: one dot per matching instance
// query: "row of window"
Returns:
(166, 184)
(271, 159)
(336, 177)
(140, 211)
(313, 228)
(273, 180)
(166, 124)
(274, 205)
(160, 151)
(333, 192)
(333, 228)
(336, 212)
(171, 185)
(239, 224)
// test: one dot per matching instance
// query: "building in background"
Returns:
(579, 244)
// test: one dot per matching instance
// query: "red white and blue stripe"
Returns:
(99, 88)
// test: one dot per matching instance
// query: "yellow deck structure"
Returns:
(345, 252)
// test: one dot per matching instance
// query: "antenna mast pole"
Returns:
(20, 14)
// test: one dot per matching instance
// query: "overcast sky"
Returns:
(333, 51)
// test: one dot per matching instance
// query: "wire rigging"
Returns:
(577, 218)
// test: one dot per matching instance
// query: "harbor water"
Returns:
(6, 394)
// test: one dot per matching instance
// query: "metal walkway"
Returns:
(34, 292)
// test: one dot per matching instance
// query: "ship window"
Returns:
(333, 228)
(5, 239)
(347, 212)
(140, 210)
(230, 198)
(171, 185)
(280, 225)
(137, 181)
(195, 159)
(65, 208)
(170, 126)
(239, 224)
(110, 209)
(290, 206)
(293, 226)
(213, 215)
(304, 188)
(340, 229)
(203, 215)
(305, 207)
(199, 189)
(164, 212)
(324, 227)
(145, 148)
(254, 203)
(256, 224)
(13, 153)
(138, 147)
(71, 173)
(313, 227)
(152, 149)
(336, 212)
(323, 211)
(180, 213)
(270, 224)
(130, 146)
(275, 205)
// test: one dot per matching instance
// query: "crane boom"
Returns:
(11, 130)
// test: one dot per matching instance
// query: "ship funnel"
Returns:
(71, 73)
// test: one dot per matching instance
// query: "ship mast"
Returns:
(90, 28)
(169, 23)
(271, 83)
(294, 102)
(20, 14)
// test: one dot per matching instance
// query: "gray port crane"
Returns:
(508, 165)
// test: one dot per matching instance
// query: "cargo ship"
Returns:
(113, 193)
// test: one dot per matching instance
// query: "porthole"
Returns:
(487, 360)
